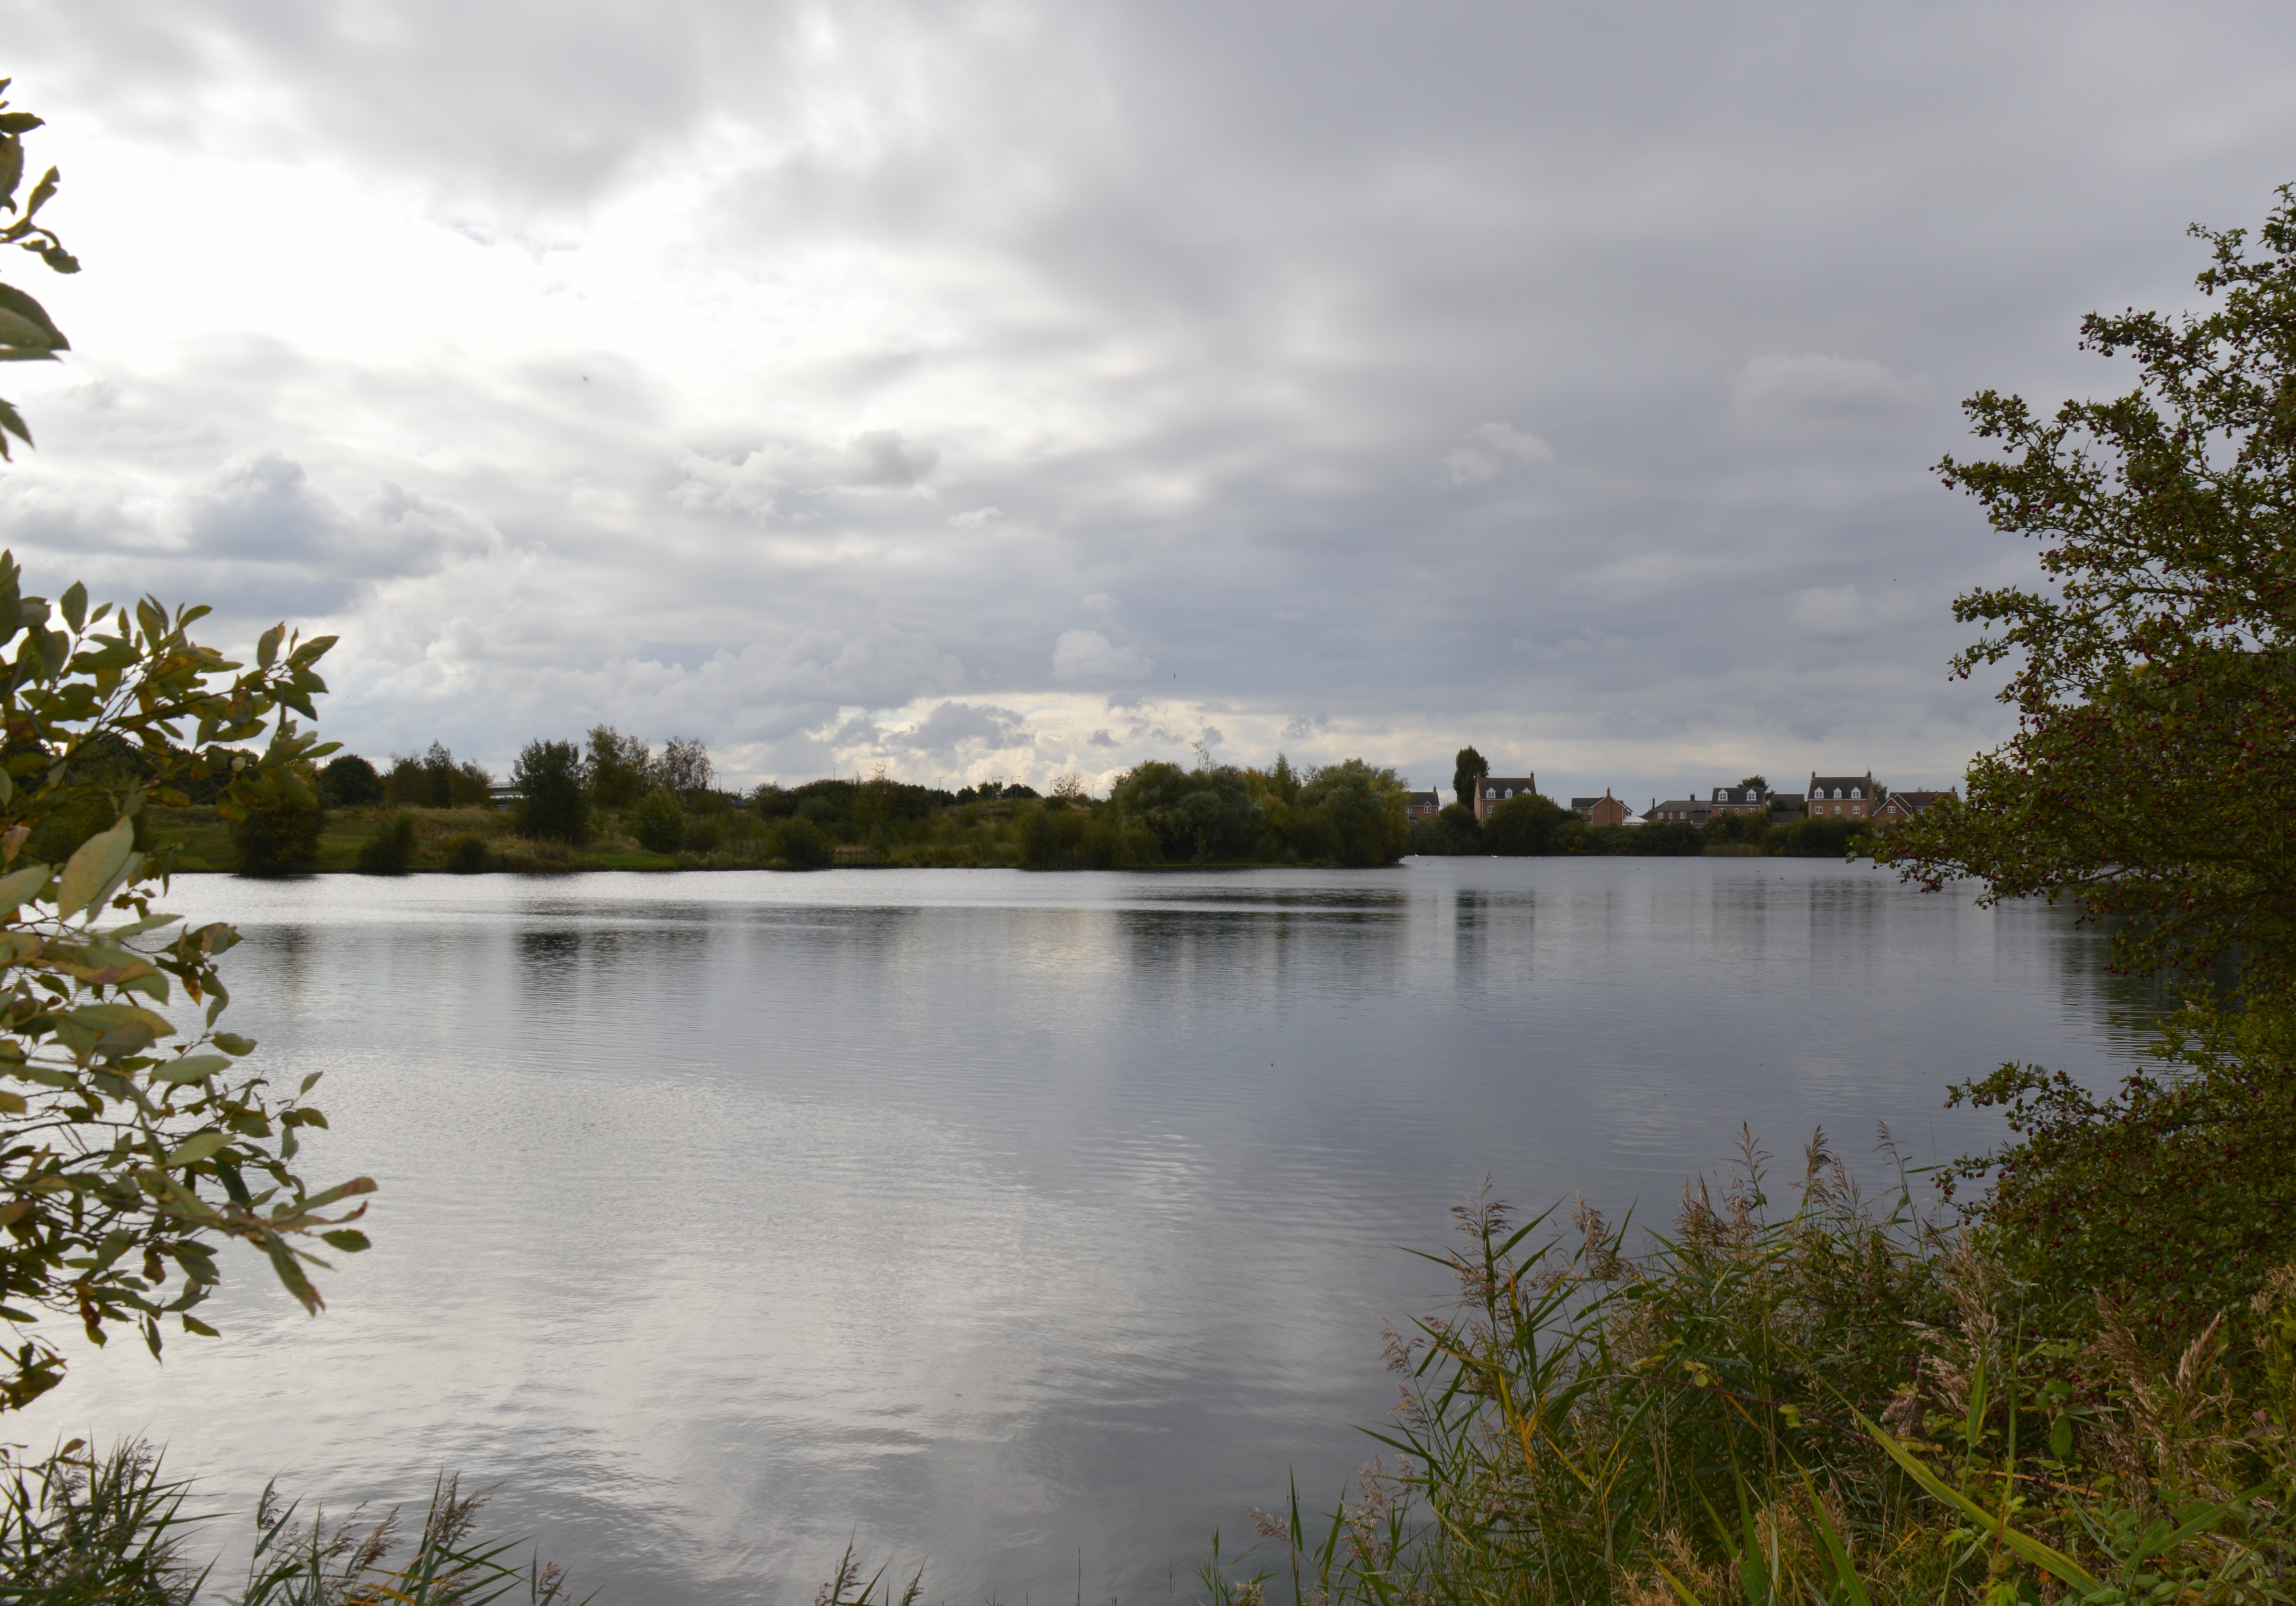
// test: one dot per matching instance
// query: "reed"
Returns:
(1840, 1401)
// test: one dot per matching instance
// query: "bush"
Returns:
(704, 834)
(1526, 825)
(466, 853)
(1365, 807)
(390, 849)
(658, 822)
(553, 804)
(799, 844)
(350, 781)
(279, 839)
(1070, 837)
(1201, 813)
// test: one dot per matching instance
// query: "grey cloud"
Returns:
(1427, 336)
(958, 726)
(1823, 389)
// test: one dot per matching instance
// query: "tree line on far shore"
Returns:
(613, 793)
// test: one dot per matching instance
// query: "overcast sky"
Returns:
(1008, 388)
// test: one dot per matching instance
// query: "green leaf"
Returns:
(2046, 1557)
(191, 1323)
(346, 1239)
(74, 605)
(191, 1068)
(233, 1045)
(192, 1150)
(18, 886)
(89, 873)
(266, 646)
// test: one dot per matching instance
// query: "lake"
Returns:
(1025, 1228)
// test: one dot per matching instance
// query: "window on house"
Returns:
(1856, 791)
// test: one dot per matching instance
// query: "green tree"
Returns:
(553, 805)
(278, 838)
(1526, 824)
(350, 781)
(26, 334)
(2149, 779)
(468, 784)
(130, 1144)
(682, 765)
(657, 823)
(390, 849)
(614, 768)
(1201, 813)
(2154, 676)
(1367, 809)
(407, 785)
(802, 845)
(1469, 767)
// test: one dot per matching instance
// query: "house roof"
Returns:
(1913, 802)
(1678, 805)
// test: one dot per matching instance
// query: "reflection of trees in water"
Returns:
(1259, 943)
(288, 953)
(2129, 1007)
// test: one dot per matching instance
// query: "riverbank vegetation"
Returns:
(612, 803)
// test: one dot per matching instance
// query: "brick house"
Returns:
(1900, 806)
(1677, 811)
(1492, 790)
(1604, 810)
(1740, 800)
(1422, 805)
(1841, 796)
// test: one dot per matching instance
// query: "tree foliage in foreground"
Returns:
(131, 1144)
(27, 334)
(2154, 770)
(2153, 778)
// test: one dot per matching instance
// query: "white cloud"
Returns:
(1490, 448)
(762, 481)
(977, 519)
(1089, 655)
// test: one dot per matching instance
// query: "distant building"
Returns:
(1604, 810)
(1422, 805)
(1784, 806)
(1492, 790)
(1901, 806)
(1740, 800)
(1842, 797)
(1677, 811)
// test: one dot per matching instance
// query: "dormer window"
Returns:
(1856, 791)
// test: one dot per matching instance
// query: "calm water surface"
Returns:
(1006, 1224)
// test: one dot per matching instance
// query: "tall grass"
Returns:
(78, 1527)
(1832, 1402)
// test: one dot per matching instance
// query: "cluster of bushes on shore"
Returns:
(611, 801)
(1532, 825)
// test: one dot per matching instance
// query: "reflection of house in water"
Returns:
(1492, 790)
(1604, 810)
